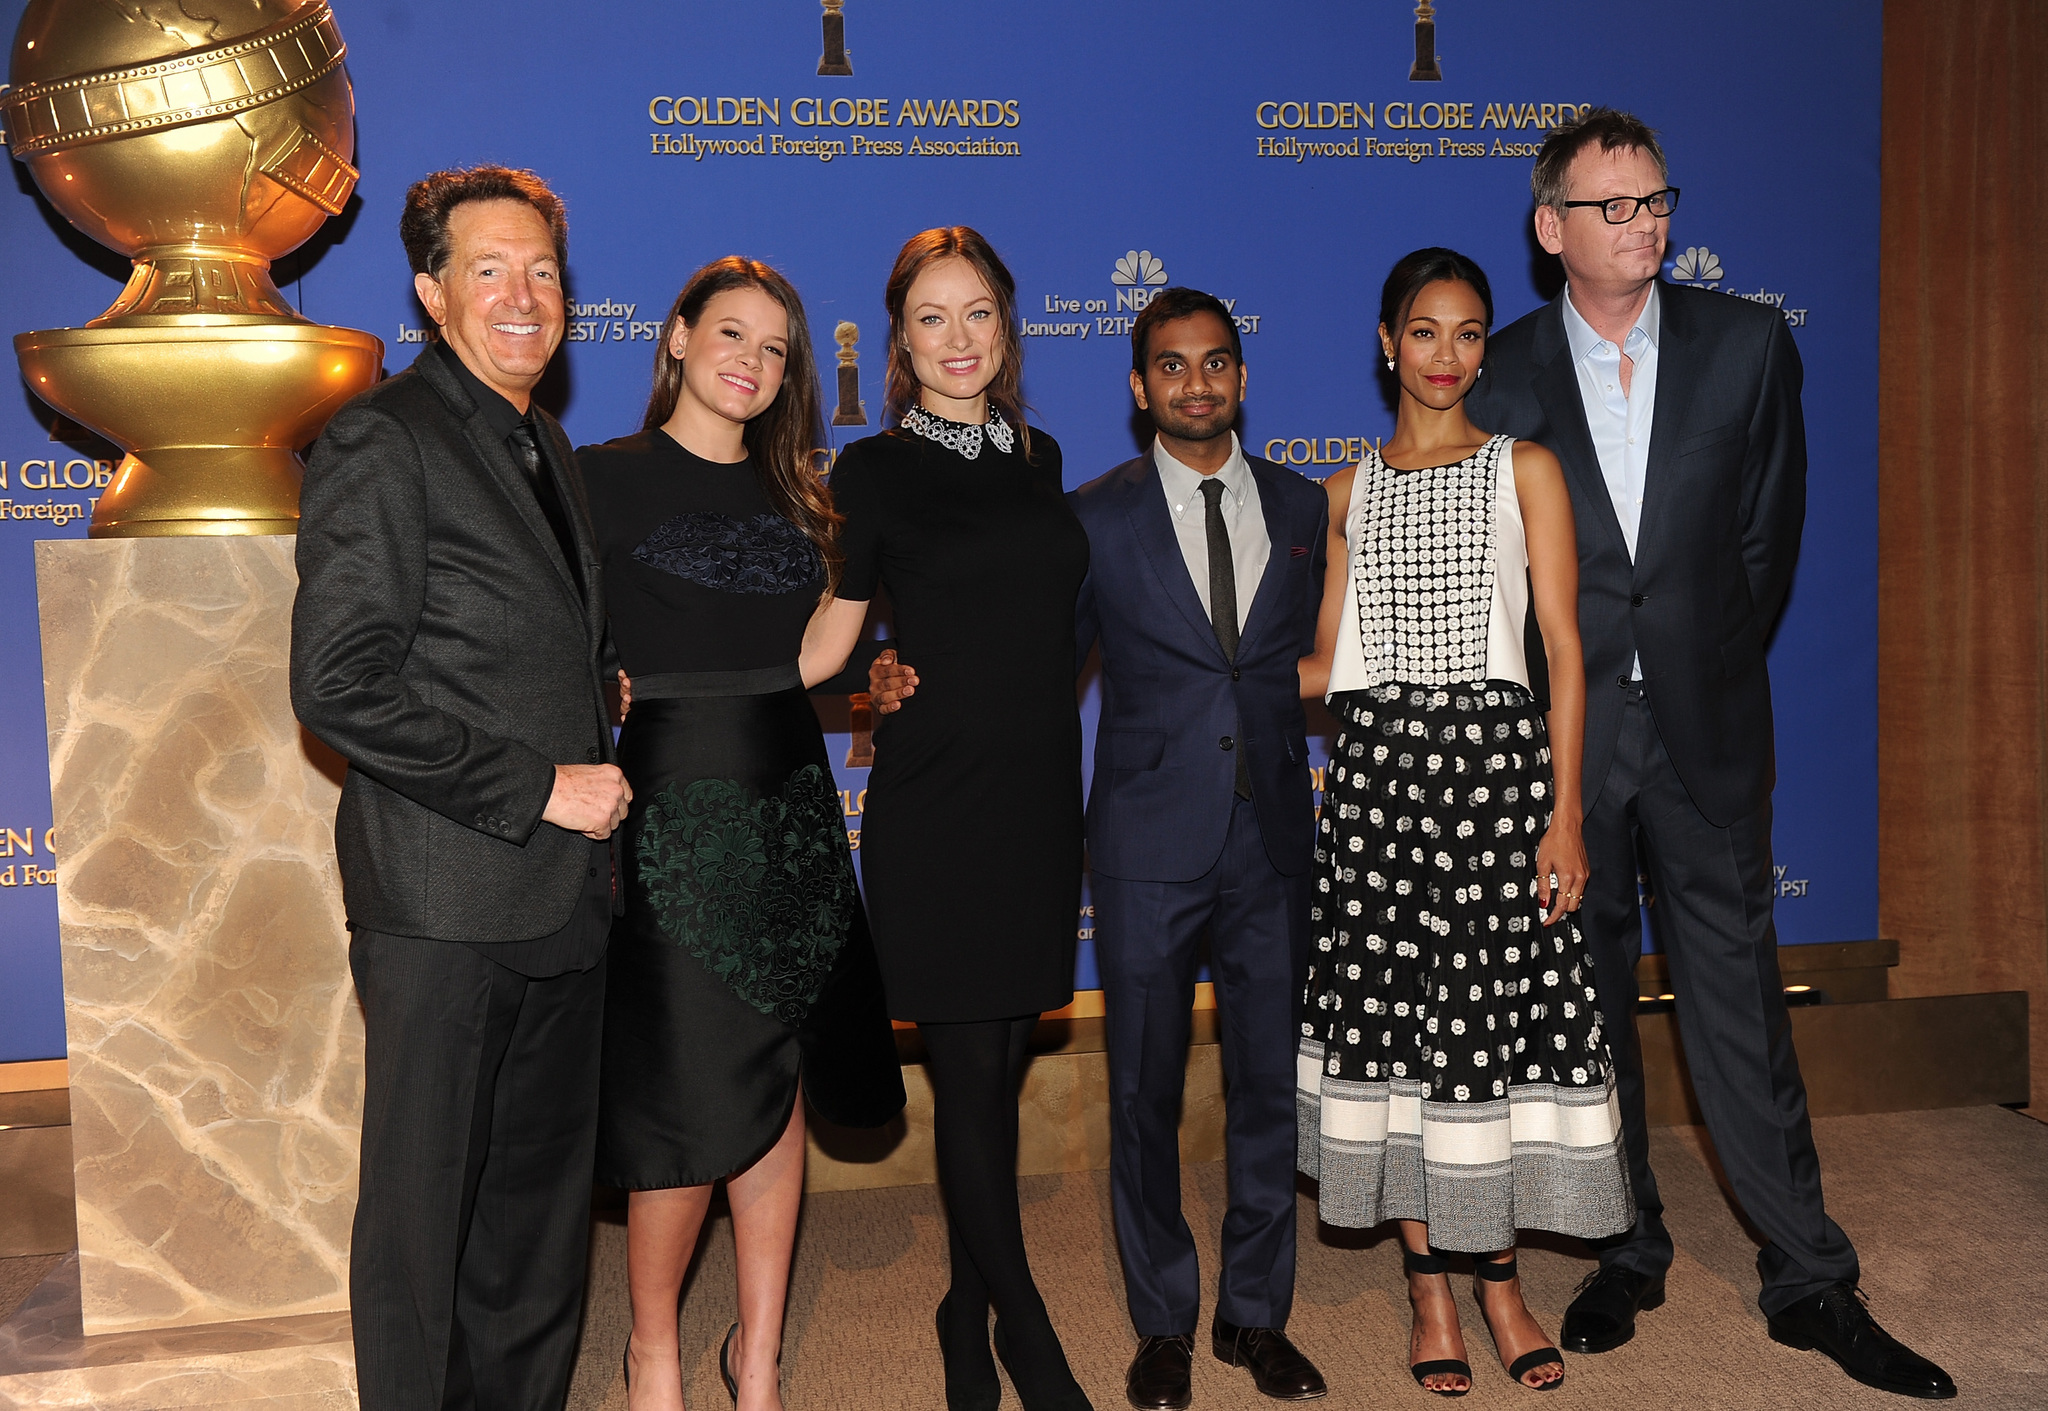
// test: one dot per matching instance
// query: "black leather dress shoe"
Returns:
(1278, 1369)
(1603, 1315)
(1835, 1321)
(1159, 1375)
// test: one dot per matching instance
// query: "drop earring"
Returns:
(1390, 364)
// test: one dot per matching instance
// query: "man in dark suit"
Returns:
(1205, 574)
(1676, 414)
(448, 641)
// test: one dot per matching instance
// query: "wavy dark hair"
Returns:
(919, 253)
(431, 201)
(784, 439)
(1416, 271)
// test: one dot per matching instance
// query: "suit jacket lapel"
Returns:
(1144, 505)
(561, 459)
(1564, 408)
(510, 479)
(1676, 378)
(1266, 598)
(512, 482)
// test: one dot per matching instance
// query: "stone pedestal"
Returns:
(215, 1042)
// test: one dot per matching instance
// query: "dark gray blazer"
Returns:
(440, 646)
(1724, 500)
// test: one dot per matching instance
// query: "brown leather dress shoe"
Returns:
(1159, 1373)
(1278, 1369)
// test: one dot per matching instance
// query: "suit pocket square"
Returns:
(1297, 551)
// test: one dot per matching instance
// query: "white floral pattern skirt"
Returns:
(1452, 1066)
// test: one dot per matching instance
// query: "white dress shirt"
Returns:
(1620, 423)
(1243, 519)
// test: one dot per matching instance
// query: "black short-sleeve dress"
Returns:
(971, 836)
(743, 957)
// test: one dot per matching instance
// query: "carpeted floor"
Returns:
(1949, 1211)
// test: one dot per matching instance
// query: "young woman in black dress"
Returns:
(742, 976)
(971, 837)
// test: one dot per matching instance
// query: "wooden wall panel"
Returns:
(1963, 503)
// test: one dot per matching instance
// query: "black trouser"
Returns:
(1713, 889)
(473, 1224)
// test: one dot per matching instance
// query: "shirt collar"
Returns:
(1182, 484)
(500, 413)
(1583, 340)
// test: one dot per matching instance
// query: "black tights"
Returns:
(976, 1069)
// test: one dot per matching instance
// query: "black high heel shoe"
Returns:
(732, 1388)
(971, 1381)
(1045, 1386)
(1500, 1272)
(1426, 1265)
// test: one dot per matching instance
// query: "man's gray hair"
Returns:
(1611, 128)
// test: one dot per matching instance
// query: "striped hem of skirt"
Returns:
(1544, 1157)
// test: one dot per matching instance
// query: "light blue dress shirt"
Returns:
(1620, 423)
(1243, 518)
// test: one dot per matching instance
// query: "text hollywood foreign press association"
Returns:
(964, 114)
(1291, 116)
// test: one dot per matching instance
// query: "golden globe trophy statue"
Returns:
(835, 63)
(203, 143)
(1425, 44)
(852, 411)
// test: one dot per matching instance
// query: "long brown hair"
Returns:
(784, 439)
(1006, 390)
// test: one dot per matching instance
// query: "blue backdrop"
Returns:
(1277, 155)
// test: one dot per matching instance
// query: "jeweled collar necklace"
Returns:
(959, 436)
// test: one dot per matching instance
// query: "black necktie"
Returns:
(525, 448)
(1223, 599)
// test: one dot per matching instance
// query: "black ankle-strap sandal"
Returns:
(1427, 1264)
(1500, 1272)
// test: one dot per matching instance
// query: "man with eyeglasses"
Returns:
(1676, 414)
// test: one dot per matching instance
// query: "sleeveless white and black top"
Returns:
(1439, 587)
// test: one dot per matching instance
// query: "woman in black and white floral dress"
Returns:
(1454, 1076)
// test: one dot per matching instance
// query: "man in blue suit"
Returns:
(1205, 574)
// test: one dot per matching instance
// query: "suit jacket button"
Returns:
(1233, 673)
(1226, 743)
(591, 754)
(1636, 600)
(1621, 681)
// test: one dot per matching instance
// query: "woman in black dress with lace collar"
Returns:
(971, 837)
(742, 978)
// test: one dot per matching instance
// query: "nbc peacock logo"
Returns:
(1700, 267)
(1697, 264)
(1136, 276)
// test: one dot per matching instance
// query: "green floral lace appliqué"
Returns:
(759, 889)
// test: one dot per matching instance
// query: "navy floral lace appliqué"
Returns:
(764, 554)
(760, 889)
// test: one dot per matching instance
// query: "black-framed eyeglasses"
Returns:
(1620, 210)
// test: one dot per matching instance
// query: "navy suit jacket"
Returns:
(1162, 796)
(1724, 500)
